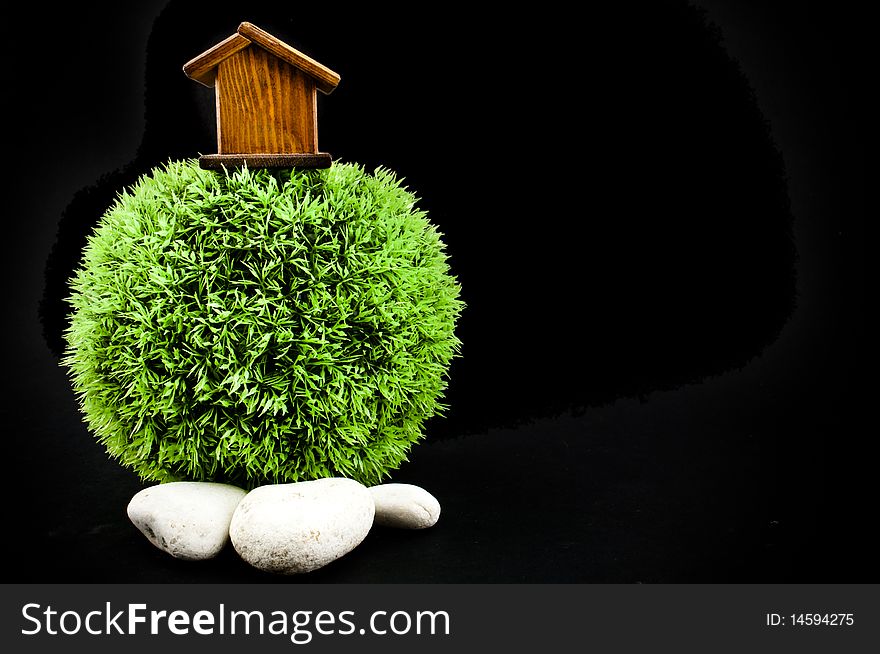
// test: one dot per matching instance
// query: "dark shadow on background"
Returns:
(612, 201)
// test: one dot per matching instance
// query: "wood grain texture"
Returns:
(253, 161)
(264, 105)
(325, 79)
(201, 68)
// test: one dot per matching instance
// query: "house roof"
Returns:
(201, 68)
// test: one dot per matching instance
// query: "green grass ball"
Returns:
(262, 326)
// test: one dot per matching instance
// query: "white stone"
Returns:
(405, 506)
(300, 527)
(187, 519)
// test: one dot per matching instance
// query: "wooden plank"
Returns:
(325, 79)
(264, 106)
(201, 68)
(254, 161)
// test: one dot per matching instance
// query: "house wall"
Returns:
(264, 105)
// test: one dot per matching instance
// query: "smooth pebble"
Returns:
(300, 527)
(405, 506)
(187, 519)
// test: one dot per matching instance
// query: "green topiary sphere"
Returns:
(262, 327)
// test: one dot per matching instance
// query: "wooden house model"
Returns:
(266, 95)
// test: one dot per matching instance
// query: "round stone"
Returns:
(187, 519)
(300, 527)
(405, 506)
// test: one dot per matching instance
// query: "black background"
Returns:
(663, 371)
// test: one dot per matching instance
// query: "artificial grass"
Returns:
(262, 326)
